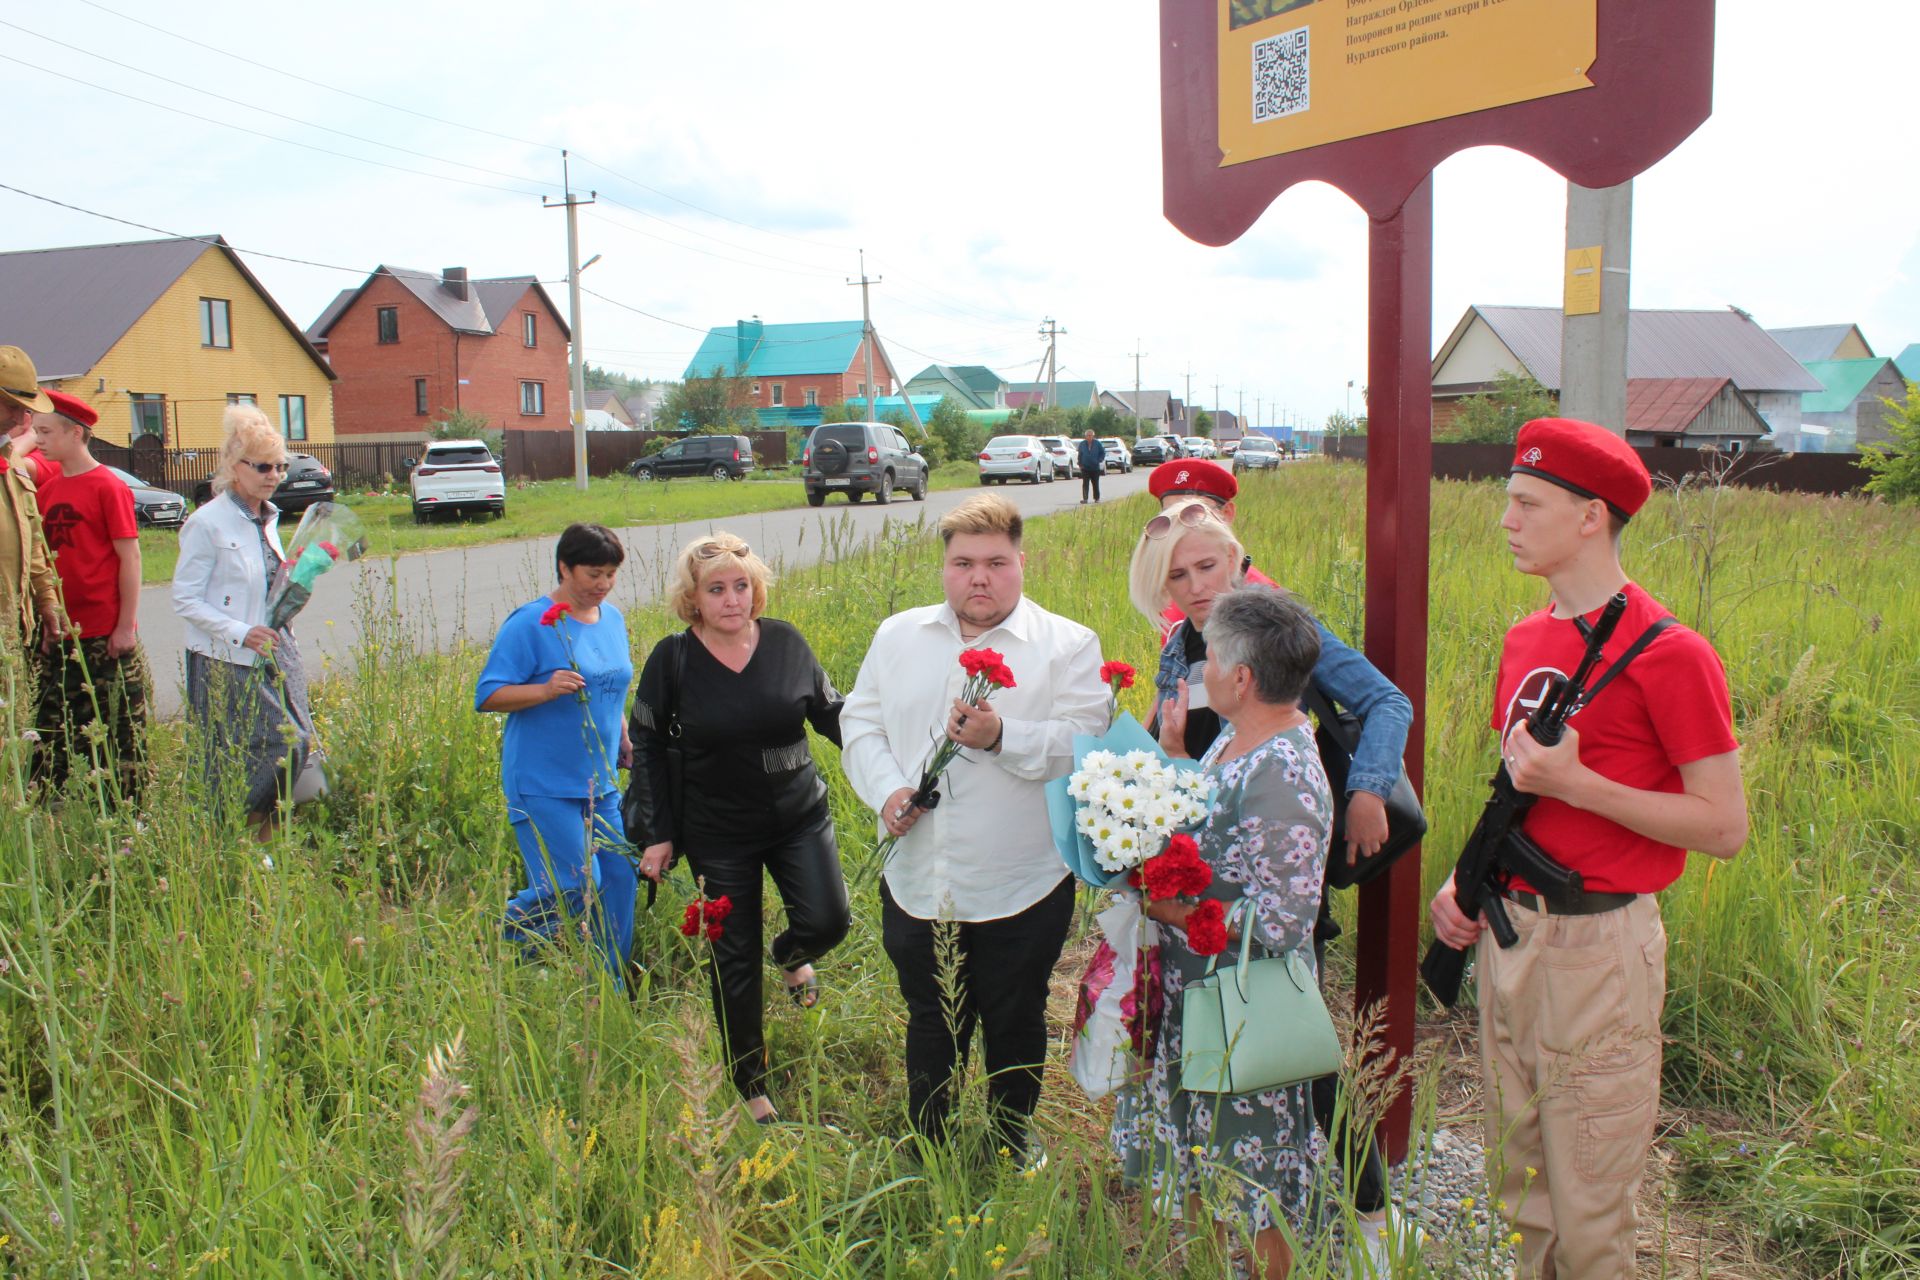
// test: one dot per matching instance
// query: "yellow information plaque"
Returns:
(1299, 73)
(1583, 281)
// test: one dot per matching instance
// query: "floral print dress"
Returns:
(1251, 1157)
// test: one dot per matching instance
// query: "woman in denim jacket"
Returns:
(1187, 557)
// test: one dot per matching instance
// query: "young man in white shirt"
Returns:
(982, 863)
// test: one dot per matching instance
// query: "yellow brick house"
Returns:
(160, 336)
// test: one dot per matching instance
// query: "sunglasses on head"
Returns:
(709, 549)
(1191, 516)
(267, 468)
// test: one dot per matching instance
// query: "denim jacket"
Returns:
(1345, 677)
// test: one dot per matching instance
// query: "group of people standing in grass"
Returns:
(70, 576)
(976, 905)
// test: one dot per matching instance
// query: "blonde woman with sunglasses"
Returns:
(723, 774)
(246, 685)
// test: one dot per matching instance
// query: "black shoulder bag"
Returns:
(1338, 735)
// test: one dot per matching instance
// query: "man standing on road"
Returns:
(96, 671)
(1648, 769)
(975, 901)
(29, 591)
(1093, 464)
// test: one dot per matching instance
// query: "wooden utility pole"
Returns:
(1051, 332)
(577, 382)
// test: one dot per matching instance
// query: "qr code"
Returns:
(1280, 78)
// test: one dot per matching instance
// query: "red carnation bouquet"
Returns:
(987, 674)
(707, 915)
(1178, 871)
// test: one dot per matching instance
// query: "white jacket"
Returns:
(220, 580)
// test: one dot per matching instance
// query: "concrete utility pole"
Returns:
(578, 381)
(1051, 332)
(1189, 400)
(1137, 354)
(866, 334)
(1593, 333)
(1256, 415)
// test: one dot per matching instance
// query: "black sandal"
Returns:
(805, 994)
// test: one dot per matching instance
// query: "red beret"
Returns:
(73, 407)
(1585, 459)
(1195, 476)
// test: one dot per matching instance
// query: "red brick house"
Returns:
(409, 346)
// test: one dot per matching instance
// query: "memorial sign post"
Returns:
(1369, 96)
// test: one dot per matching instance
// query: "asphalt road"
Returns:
(445, 598)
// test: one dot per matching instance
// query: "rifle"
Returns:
(1498, 850)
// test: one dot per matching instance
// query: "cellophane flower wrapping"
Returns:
(1117, 1013)
(328, 534)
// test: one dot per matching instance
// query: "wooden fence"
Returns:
(1824, 473)
(548, 455)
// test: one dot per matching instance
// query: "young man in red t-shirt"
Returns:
(1648, 769)
(96, 671)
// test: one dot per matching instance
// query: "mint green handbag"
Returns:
(1260, 1025)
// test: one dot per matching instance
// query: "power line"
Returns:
(239, 102)
(668, 195)
(318, 84)
(228, 124)
(757, 266)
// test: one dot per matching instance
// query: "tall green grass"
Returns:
(215, 1056)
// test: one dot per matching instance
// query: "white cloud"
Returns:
(998, 163)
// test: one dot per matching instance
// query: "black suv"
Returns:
(1149, 450)
(858, 458)
(722, 457)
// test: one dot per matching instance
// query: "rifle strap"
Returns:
(1633, 651)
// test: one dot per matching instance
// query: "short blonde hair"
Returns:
(247, 431)
(708, 555)
(1153, 557)
(983, 513)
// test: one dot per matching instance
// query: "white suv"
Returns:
(456, 475)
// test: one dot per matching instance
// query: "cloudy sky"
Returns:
(998, 162)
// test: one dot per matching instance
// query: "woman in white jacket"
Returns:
(246, 687)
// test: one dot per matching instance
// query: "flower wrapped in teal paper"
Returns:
(328, 534)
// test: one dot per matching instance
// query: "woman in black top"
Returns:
(731, 696)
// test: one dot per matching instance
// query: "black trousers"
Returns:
(1090, 480)
(805, 866)
(1353, 1147)
(1003, 970)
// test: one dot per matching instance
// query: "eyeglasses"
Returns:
(267, 468)
(1191, 516)
(712, 547)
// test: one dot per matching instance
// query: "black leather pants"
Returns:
(805, 866)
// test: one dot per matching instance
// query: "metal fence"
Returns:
(354, 464)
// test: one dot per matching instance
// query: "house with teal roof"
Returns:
(1851, 403)
(1067, 395)
(973, 385)
(795, 370)
(1908, 362)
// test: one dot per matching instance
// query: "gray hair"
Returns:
(1270, 633)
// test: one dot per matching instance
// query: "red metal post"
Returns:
(1399, 478)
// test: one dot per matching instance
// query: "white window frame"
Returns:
(529, 329)
(533, 405)
(778, 394)
(812, 395)
(293, 417)
(142, 425)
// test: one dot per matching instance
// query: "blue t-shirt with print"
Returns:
(548, 750)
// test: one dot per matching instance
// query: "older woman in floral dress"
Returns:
(1249, 1159)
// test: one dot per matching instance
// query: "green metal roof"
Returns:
(757, 350)
(1844, 380)
(979, 379)
(1068, 395)
(939, 375)
(1908, 362)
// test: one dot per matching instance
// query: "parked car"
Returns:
(722, 457)
(456, 475)
(1199, 447)
(307, 482)
(1226, 447)
(1149, 451)
(1176, 447)
(1118, 459)
(1015, 458)
(1064, 463)
(1256, 452)
(152, 508)
(858, 458)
